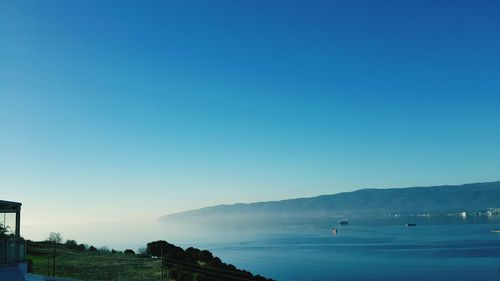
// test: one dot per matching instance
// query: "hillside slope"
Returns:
(433, 199)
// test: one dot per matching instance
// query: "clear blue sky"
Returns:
(128, 110)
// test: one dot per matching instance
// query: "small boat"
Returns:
(495, 230)
(334, 231)
(411, 224)
(343, 222)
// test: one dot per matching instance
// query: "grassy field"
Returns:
(92, 265)
(81, 262)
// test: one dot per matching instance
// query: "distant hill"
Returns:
(433, 199)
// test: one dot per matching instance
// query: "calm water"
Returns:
(383, 249)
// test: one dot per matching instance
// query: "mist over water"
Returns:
(438, 248)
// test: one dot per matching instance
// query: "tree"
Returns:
(157, 248)
(192, 253)
(205, 256)
(55, 237)
(71, 244)
(129, 252)
(4, 230)
(103, 249)
(143, 252)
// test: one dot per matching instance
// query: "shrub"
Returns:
(129, 252)
(71, 244)
(205, 256)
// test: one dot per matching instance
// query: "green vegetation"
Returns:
(85, 264)
(79, 261)
(5, 231)
(55, 237)
(196, 264)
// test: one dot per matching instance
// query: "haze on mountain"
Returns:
(432, 199)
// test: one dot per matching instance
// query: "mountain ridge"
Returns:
(366, 201)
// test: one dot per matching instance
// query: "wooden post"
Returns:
(48, 264)
(161, 250)
(54, 260)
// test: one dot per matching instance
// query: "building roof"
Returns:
(11, 203)
(9, 206)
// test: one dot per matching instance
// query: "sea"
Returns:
(438, 248)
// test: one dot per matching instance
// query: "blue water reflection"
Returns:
(436, 249)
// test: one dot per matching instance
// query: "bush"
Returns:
(4, 230)
(169, 250)
(71, 244)
(192, 253)
(205, 256)
(175, 258)
(129, 252)
(143, 252)
(103, 249)
(81, 247)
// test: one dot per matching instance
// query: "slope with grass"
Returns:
(91, 264)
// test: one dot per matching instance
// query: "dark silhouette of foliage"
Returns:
(196, 265)
(191, 264)
(169, 250)
(81, 247)
(205, 256)
(4, 230)
(71, 244)
(103, 249)
(142, 251)
(129, 252)
(192, 253)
